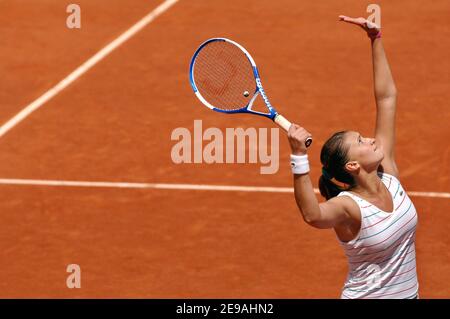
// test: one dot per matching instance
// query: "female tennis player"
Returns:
(367, 207)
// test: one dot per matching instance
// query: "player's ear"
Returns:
(352, 167)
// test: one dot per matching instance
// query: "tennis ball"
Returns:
(246, 93)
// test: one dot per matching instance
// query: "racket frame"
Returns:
(273, 114)
(258, 85)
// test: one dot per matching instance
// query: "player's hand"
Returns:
(297, 136)
(371, 28)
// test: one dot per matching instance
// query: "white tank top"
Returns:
(382, 257)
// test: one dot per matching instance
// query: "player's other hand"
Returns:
(297, 136)
(371, 28)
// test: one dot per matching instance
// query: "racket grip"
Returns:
(282, 122)
(285, 125)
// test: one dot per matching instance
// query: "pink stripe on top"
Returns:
(382, 257)
(388, 216)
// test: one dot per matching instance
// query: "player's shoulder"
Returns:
(345, 202)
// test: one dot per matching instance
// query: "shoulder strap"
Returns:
(354, 197)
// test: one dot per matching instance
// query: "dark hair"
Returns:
(334, 156)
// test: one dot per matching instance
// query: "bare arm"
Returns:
(385, 94)
(384, 86)
(319, 215)
(323, 215)
(386, 100)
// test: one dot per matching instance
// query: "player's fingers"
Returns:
(357, 21)
(301, 134)
(295, 129)
(346, 18)
(304, 137)
(296, 132)
(292, 129)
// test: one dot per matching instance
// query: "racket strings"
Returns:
(223, 75)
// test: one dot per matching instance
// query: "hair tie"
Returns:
(326, 174)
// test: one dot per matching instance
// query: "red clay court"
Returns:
(113, 124)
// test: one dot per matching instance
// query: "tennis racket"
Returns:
(225, 78)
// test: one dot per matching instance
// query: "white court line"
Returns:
(100, 55)
(200, 187)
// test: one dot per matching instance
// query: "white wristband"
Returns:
(299, 164)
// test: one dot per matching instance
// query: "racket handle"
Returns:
(282, 122)
(285, 125)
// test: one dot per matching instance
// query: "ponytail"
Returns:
(328, 189)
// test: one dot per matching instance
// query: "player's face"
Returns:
(364, 150)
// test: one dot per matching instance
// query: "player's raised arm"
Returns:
(385, 94)
(324, 215)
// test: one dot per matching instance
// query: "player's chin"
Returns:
(379, 156)
(380, 151)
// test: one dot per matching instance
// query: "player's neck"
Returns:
(368, 185)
